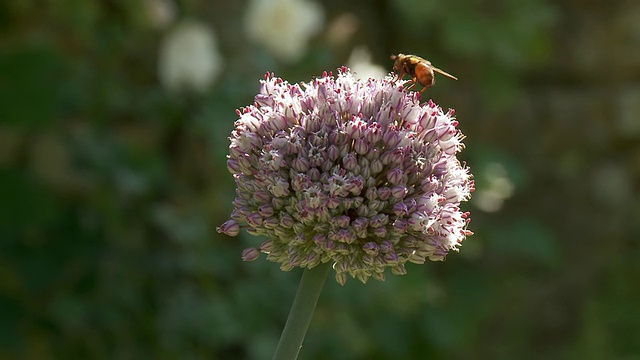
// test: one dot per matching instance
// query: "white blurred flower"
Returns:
(498, 188)
(284, 27)
(627, 122)
(360, 63)
(161, 13)
(189, 58)
(342, 28)
(612, 184)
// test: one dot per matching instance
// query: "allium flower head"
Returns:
(351, 172)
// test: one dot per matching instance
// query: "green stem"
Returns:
(304, 304)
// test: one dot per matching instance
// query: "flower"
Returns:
(360, 63)
(284, 27)
(498, 188)
(351, 172)
(189, 58)
(160, 13)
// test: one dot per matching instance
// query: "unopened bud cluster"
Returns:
(355, 173)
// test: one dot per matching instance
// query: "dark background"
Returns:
(111, 186)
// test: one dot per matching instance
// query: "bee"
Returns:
(420, 70)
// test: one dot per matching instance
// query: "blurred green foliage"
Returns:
(111, 186)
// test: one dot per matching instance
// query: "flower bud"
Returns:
(250, 254)
(229, 228)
